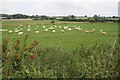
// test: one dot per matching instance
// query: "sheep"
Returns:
(62, 31)
(17, 31)
(53, 31)
(46, 30)
(104, 33)
(87, 31)
(5, 30)
(59, 26)
(101, 30)
(37, 25)
(69, 29)
(77, 28)
(29, 26)
(93, 29)
(65, 28)
(43, 26)
(35, 28)
(20, 33)
(55, 26)
(10, 31)
(51, 28)
(28, 30)
(80, 29)
(36, 32)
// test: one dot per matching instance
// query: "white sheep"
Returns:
(20, 33)
(46, 30)
(53, 31)
(69, 29)
(21, 25)
(80, 29)
(93, 29)
(29, 26)
(37, 25)
(62, 31)
(10, 31)
(17, 31)
(59, 26)
(43, 26)
(36, 32)
(28, 30)
(51, 28)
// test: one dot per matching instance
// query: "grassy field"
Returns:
(67, 40)
(72, 54)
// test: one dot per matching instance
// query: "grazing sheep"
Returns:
(77, 28)
(20, 33)
(43, 26)
(87, 31)
(37, 25)
(10, 31)
(20, 25)
(101, 30)
(65, 28)
(104, 33)
(69, 29)
(46, 30)
(29, 26)
(17, 31)
(80, 29)
(62, 31)
(93, 29)
(53, 31)
(51, 28)
(59, 26)
(36, 32)
(28, 30)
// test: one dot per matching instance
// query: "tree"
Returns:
(52, 22)
(71, 16)
(96, 18)
(85, 15)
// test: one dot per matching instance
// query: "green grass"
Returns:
(72, 54)
(68, 40)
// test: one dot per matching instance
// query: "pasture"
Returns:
(65, 49)
(68, 40)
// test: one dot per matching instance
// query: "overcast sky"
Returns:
(60, 7)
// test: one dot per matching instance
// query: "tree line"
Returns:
(95, 18)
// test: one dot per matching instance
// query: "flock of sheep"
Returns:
(19, 29)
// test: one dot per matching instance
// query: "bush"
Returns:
(98, 61)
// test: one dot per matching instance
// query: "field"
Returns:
(67, 40)
(66, 48)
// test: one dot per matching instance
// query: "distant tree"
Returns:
(72, 16)
(52, 22)
(44, 17)
(85, 15)
(96, 18)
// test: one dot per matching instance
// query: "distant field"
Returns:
(67, 40)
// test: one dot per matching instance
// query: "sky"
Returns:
(60, 7)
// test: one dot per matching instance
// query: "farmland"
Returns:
(69, 39)
(73, 53)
